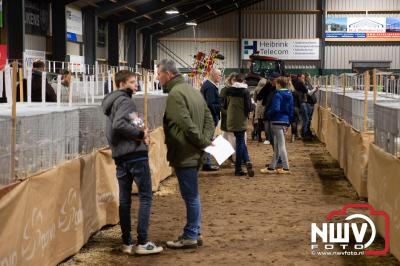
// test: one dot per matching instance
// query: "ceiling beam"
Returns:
(182, 11)
(149, 9)
(107, 7)
(195, 16)
(241, 4)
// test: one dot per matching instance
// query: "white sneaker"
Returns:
(267, 142)
(127, 249)
(182, 244)
(148, 248)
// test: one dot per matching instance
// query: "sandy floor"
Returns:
(263, 220)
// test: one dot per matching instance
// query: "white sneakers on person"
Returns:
(267, 142)
(148, 248)
(127, 249)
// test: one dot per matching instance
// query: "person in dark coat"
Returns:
(210, 93)
(302, 92)
(36, 88)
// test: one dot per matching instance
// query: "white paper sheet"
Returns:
(1, 83)
(59, 90)
(44, 74)
(221, 150)
(29, 84)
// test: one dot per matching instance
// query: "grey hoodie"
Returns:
(126, 140)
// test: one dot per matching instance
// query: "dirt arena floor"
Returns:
(264, 220)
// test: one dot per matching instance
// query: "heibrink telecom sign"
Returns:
(286, 49)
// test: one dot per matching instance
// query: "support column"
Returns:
(113, 46)
(146, 61)
(15, 25)
(89, 34)
(132, 37)
(154, 40)
(239, 40)
(59, 30)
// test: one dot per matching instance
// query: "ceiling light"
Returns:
(172, 12)
(191, 23)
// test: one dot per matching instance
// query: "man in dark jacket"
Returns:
(302, 92)
(36, 88)
(129, 140)
(188, 128)
(209, 90)
(266, 95)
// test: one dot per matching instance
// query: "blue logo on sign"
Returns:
(250, 48)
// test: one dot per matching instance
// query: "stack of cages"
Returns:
(5, 151)
(92, 128)
(387, 127)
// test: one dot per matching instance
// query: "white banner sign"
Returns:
(31, 56)
(292, 49)
(74, 20)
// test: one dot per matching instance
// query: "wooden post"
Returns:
(114, 87)
(366, 91)
(331, 91)
(374, 84)
(14, 118)
(145, 111)
(344, 95)
(21, 85)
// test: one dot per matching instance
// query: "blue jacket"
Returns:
(211, 95)
(281, 109)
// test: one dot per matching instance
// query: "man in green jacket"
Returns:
(188, 128)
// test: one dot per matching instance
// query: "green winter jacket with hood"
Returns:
(188, 124)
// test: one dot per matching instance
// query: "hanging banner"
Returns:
(1, 13)
(384, 29)
(36, 17)
(74, 23)
(285, 49)
(3, 56)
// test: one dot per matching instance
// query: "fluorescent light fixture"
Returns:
(191, 23)
(172, 12)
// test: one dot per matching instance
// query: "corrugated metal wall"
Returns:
(277, 26)
(224, 27)
(338, 56)
(257, 22)
(186, 51)
(284, 5)
(221, 27)
(362, 5)
(268, 19)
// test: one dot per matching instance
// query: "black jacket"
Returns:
(36, 90)
(301, 89)
(126, 140)
(210, 94)
(265, 95)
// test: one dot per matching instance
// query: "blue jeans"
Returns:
(305, 116)
(188, 185)
(127, 172)
(241, 150)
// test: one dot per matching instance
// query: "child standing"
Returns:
(280, 114)
(129, 141)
